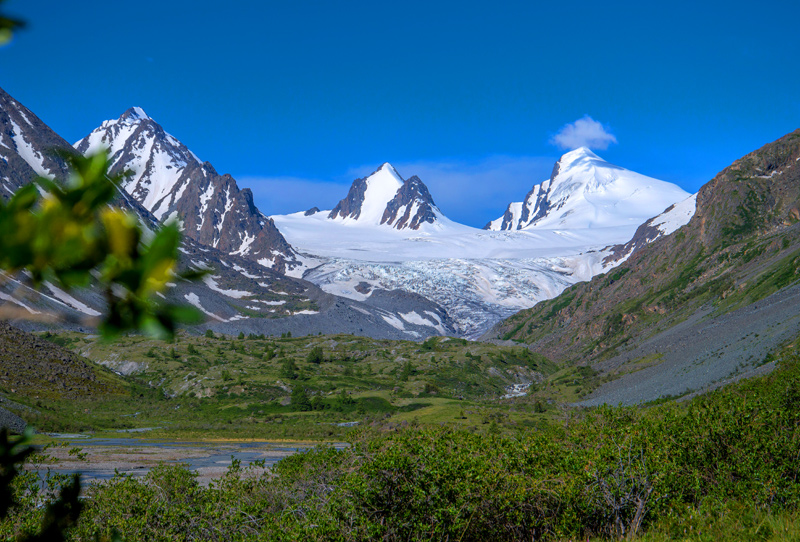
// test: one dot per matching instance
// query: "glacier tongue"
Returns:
(477, 293)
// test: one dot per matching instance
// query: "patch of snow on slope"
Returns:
(362, 311)
(228, 207)
(194, 300)
(394, 321)
(236, 294)
(244, 272)
(415, 318)
(70, 301)
(164, 174)
(205, 197)
(246, 242)
(28, 153)
(6, 297)
(678, 216)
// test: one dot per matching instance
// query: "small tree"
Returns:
(300, 399)
(315, 355)
(289, 369)
(343, 400)
(407, 371)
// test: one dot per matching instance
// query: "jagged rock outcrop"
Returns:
(411, 206)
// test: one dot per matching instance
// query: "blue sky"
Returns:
(295, 99)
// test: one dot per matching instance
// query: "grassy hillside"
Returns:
(33, 367)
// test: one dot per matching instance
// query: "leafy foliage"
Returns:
(59, 514)
(7, 27)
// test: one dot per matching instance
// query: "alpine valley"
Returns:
(643, 265)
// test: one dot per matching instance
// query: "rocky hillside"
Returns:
(741, 247)
(33, 367)
(171, 182)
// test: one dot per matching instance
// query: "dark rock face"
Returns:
(351, 205)
(536, 205)
(645, 234)
(399, 210)
(26, 147)
(172, 183)
(312, 211)
(508, 220)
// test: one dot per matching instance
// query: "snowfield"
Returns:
(483, 276)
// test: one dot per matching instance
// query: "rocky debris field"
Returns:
(701, 351)
(11, 421)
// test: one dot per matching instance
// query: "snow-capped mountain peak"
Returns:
(156, 159)
(385, 198)
(585, 191)
(381, 187)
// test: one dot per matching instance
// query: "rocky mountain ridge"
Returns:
(239, 294)
(171, 182)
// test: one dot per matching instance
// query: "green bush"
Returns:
(315, 355)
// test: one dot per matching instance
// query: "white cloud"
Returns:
(585, 132)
